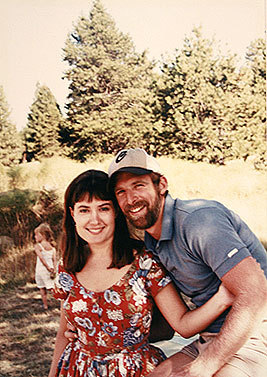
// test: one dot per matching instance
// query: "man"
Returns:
(202, 244)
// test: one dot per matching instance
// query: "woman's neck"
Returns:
(100, 254)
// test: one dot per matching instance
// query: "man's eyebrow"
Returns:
(138, 180)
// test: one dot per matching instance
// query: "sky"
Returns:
(33, 33)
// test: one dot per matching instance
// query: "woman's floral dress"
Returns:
(113, 325)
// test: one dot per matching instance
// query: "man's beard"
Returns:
(149, 219)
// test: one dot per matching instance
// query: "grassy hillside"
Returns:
(237, 185)
(27, 331)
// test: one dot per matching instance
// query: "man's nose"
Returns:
(131, 197)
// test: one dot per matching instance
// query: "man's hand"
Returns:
(71, 333)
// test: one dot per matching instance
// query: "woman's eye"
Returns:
(104, 209)
(84, 210)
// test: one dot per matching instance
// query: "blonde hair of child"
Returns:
(45, 230)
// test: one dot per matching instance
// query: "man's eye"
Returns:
(119, 193)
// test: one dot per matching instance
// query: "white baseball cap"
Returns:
(135, 161)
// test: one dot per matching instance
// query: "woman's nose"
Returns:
(94, 217)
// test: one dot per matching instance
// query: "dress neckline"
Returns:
(123, 277)
(43, 249)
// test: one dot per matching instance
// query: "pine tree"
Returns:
(10, 141)
(195, 97)
(251, 134)
(44, 122)
(109, 101)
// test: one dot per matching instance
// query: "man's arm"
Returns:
(248, 284)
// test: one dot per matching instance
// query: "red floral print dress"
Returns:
(113, 325)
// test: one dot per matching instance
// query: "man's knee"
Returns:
(230, 371)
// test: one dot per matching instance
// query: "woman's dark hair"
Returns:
(92, 184)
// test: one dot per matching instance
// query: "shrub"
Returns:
(21, 211)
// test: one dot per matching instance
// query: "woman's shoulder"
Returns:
(64, 279)
(144, 258)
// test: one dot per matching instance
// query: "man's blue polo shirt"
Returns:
(201, 240)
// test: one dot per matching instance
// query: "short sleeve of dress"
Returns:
(63, 283)
(156, 277)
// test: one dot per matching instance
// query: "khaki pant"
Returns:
(249, 361)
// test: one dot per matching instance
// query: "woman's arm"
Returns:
(190, 322)
(61, 343)
(160, 329)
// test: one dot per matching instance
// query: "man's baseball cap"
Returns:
(135, 161)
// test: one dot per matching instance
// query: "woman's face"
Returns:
(95, 220)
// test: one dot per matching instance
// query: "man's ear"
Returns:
(163, 185)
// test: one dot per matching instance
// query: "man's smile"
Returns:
(137, 209)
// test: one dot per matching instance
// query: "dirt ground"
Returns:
(27, 332)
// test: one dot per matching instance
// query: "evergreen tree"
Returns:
(10, 142)
(196, 95)
(250, 134)
(44, 121)
(109, 101)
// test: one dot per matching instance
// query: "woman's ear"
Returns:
(163, 185)
(71, 212)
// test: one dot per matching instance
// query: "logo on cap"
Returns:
(121, 156)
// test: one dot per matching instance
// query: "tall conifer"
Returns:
(198, 99)
(109, 100)
(10, 141)
(44, 123)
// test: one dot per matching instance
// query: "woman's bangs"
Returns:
(88, 193)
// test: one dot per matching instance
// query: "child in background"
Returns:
(46, 260)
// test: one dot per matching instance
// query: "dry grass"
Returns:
(27, 332)
(237, 185)
(17, 267)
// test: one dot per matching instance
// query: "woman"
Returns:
(107, 284)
